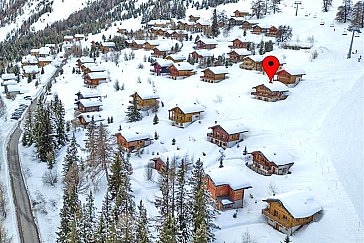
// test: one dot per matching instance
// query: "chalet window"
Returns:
(275, 213)
(285, 217)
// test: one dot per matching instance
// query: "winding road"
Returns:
(27, 228)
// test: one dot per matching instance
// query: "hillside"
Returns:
(320, 124)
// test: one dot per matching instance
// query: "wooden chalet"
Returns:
(88, 105)
(145, 101)
(205, 44)
(176, 58)
(84, 60)
(8, 76)
(290, 76)
(92, 68)
(88, 94)
(181, 70)
(137, 44)
(173, 158)
(150, 44)
(159, 23)
(95, 78)
(246, 25)
(122, 31)
(201, 26)
(9, 83)
(186, 25)
(253, 62)
(133, 138)
(182, 116)
(237, 55)
(13, 90)
(44, 51)
(106, 47)
(161, 51)
(214, 74)
(34, 52)
(79, 37)
(29, 61)
(290, 211)
(293, 45)
(160, 67)
(194, 18)
(85, 118)
(30, 71)
(226, 135)
(202, 55)
(52, 47)
(43, 61)
(271, 160)
(272, 31)
(270, 91)
(227, 186)
(240, 43)
(68, 38)
(238, 13)
(179, 34)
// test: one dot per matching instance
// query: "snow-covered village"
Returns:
(180, 121)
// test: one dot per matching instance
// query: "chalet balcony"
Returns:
(266, 213)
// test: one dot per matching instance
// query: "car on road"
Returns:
(28, 97)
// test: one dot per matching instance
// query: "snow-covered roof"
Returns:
(209, 41)
(7, 76)
(276, 86)
(140, 42)
(30, 69)
(256, 58)
(186, 109)
(203, 22)
(44, 50)
(164, 62)
(79, 36)
(92, 102)
(164, 47)
(30, 59)
(35, 50)
(68, 37)
(89, 115)
(229, 175)
(183, 66)
(204, 53)
(90, 93)
(87, 60)
(134, 134)
(242, 52)
(152, 42)
(237, 18)
(232, 127)
(14, 88)
(276, 154)
(293, 71)
(173, 156)
(108, 44)
(98, 75)
(218, 70)
(46, 59)
(300, 204)
(9, 82)
(159, 21)
(147, 95)
(176, 57)
(95, 68)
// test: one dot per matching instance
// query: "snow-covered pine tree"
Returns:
(58, 113)
(258, 8)
(115, 176)
(71, 156)
(284, 33)
(91, 146)
(182, 205)
(104, 220)
(142, 225)
(326, 4)
(88, 220)
(344, 11)
(203, 213)
(27, 138)
(261, 48)
(163, 203)
(357, 18)
(168, 231)
(133, 113)
(214, 26)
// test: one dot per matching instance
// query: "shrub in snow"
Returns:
(50, 177)
(148, 172)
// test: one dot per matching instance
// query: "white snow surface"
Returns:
(228, 175)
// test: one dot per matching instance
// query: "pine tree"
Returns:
(326, 5)
(42, 131)
(261, 48)
(156, 136)
(344, 11)
(214, 26)
(133, 113)
(182, 209)
(258, 7)
(91, 145)
(142, 225)
(115, 176)
(58, 113)
(27, 138)
(104, 153)
(155, 120)
(42, 71)
(88, 222)
(163, 203)
(357, 18)
(169, 230)
(203, 214)
(284, 33)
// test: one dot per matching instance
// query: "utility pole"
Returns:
(297, 3)
(352, 29)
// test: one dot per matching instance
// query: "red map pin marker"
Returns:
(270, 65)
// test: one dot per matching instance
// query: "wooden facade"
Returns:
(193, 18)
(262, 165)
(238, 43)
(183, 117)
(201, 44)
(272, 31)
(131, 144)
(85, 106)
(262, 92)
(288, 77)
(160, 68)
(238, 13)
(213, 75)
(149, 45)
(238, 56)
(252, 63)
(94, 79)
(176, 72)
(160, 52)
(225, 138)
(282, 219)
(145, 102)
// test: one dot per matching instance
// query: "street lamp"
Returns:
(352, 29)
